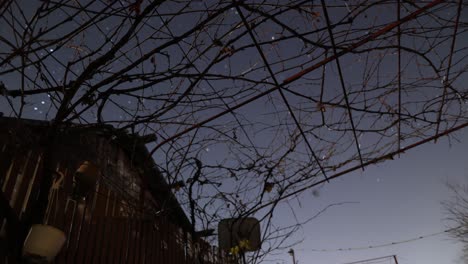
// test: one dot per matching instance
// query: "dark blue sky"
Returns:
(390, 201)
(397, 200)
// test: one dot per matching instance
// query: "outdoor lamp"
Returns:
(85, 179)
(43, 243)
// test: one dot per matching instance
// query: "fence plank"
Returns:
(83, 237)
(158, 245)
(139, 242)
(149, 243)
(88, 247)
(111, 237)
(73, 231)
(133, 240)
(143, 241)
(12, 175)
(6, 159)
(100, 234)
(125, 236)
(119, 237)
(27, 177)
(104, 241)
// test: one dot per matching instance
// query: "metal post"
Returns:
(291, 252)
(244, 261)
(394, 258)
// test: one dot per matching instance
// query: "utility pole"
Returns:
(291, 252)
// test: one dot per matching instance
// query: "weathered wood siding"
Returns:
(117, 223)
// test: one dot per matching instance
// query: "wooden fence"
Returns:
(109, 226)
(135, 241)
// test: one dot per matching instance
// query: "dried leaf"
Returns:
(269, 186)
(136, 7)
(315, 14)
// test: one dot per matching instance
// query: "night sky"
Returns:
(391, 201)
(396, 201)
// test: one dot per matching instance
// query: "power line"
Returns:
(382, 245)
(373, 260)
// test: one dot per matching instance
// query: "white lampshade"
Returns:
(43, 241)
